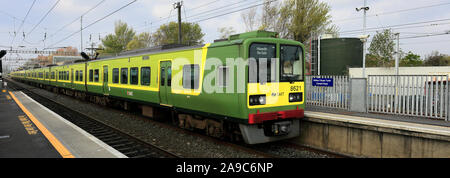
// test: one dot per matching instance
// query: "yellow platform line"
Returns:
(63, 151)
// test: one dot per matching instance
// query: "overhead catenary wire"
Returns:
(23, 21)
(233, 11)
(204, 13)
(170, 16)
(92, 24)
(75, 20)
(44, 17)
(227, 13)
(394, 12)
(226, 7)
(398, 25)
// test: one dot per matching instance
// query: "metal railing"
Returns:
(332, 93)
(411, 95)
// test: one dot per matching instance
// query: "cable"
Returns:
(394, 12)
(201, 13)
(160, 20)
(429, 35)
(409, 27)
(399, 25)
(23, 21)
(92, 23)
(65, 26)
(233, 11)
(222, 7)
(45, 16)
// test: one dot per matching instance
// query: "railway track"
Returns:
(127, 144)
(134, 147)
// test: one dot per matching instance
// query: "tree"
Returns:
(117, 42)
(437, 59)
(168, 34)
(411, 60)
(249, 19)
(269, 16)
(382, 48)
(306, 16)
(143, 40)
(293, 19)
(226, 32)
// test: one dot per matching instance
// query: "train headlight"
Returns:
(262, 99)
(295, 97)
(257, 100)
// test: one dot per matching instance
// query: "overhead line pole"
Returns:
(178, 5)
(364, 43)
(93, 23)
(81, 31)
(364, 37)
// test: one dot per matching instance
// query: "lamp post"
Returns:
(365, 8)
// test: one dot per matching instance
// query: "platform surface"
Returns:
(19, 138)
(30, 130)
(415, 127)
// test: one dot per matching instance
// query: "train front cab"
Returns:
(275, 90)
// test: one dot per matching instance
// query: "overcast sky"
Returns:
(147, 15)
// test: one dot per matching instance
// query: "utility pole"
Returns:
(365, 8)
(81, 33)
(397, 59)
(318, 54)
(178, 5)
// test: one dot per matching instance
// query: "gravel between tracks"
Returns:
(186, 145)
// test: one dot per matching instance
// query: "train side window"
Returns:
(145, 76)
(96, 75)
(67, 75)
(77, 75)
(134, 76)
(191, 76)
(116, 75)
(124, 76)
(81, 75)
(169, 76)
(163, 76)
(91, 75)
(222, 77)
(53, 75)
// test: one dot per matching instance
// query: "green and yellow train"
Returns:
(251, 84)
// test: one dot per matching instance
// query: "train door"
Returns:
(165, 84)
(105, 80)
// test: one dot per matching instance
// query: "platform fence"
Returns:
(333, 92)
(410, 95)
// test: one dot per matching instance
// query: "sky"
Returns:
(54, 29)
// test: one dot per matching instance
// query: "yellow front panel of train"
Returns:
(277, 94)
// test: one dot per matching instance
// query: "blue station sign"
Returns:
(322, 82)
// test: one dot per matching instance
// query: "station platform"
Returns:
(374, 135)
(30, 130)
